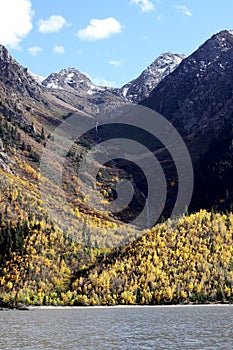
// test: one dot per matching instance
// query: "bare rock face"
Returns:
(75, 88)
(69, 77)
(21, 96)
(194, 93)
(14, 76)
(198, 96)
(5, 160)
(198, 99)
(140, 88)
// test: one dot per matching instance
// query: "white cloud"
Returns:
(103, 82)
(35, 50)
(15, 22)
(184, 10)
(99, 29)
(59, 49)
(51, 25)
(143, 5)
(116, 63)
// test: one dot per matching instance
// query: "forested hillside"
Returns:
(86, 256)
(190, 263)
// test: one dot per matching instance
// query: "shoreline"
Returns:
(51, 307)
(82, 307)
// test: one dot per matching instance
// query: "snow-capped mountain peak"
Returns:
(38, 78)
(71, 79)
(140, 88)
(68, 77)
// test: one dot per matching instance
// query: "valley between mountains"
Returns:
(96, 258)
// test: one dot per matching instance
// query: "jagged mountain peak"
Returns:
(68, 77)
(134, 91)
(216, 45)
(223, 33)
(167, 56)
(16, 77)
(214, 54)
(71, 74)
(5, 55)
(162, 66)
(140, 88)
(196, 94)
(165, 62)
(76, 88)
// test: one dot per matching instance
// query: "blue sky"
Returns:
(110, 40)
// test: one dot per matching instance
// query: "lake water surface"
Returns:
(117, 328)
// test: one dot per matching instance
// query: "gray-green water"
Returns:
(195, 327)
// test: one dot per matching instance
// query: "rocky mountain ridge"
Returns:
(72, 80)
(198, 95)
(76, 89)
(197, 98)
(14, 75)
(41, 263)
(141, 87)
